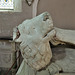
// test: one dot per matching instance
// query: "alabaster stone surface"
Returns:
(34, 36)
(63, 36)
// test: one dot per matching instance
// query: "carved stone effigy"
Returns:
(63, 36)
(34, 36)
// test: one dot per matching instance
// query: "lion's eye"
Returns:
(46, 17)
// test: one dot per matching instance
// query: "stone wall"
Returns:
(62, 11)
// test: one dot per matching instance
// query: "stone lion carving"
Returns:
(34, 36)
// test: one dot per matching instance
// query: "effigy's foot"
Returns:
(63, 36)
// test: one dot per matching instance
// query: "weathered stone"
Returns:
(34, 36)
(7, 54)
(63, 36)
(35, 47)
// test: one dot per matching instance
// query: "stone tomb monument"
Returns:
(35, 36)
